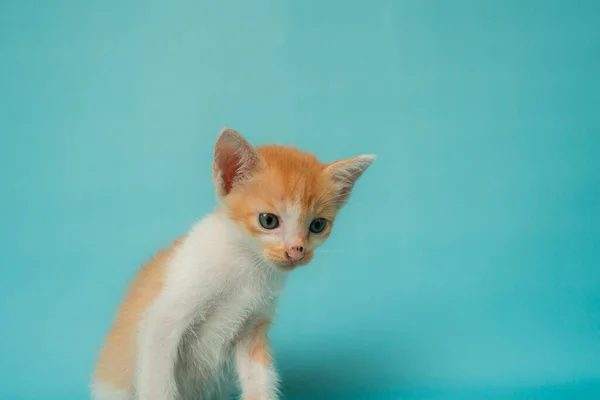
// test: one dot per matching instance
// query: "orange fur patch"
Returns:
(260, 347)
(288, 173)
(116, 362)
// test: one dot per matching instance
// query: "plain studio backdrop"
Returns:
(467, 263)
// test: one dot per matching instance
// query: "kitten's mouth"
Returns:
(282, 262)
(289, 265)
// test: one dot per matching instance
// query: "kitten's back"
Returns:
(116, 362)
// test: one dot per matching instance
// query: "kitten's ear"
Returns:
(234, 161)
(345, 173)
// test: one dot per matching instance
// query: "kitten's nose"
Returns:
(295, 253)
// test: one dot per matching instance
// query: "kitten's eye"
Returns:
(268, 221)
(318, 225)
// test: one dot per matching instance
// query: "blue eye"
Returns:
(318, 225)
(268, 221)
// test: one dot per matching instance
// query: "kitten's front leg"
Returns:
(166, 321)
(255, 367)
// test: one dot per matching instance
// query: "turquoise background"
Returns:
(467, 265)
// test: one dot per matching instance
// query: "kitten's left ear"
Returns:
(235, 160)
(345, 173)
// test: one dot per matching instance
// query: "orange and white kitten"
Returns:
(197, 315)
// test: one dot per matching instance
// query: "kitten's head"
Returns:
(283, 199)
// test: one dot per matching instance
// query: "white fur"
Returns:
(259, 380)
(290, 224)
(216, 290)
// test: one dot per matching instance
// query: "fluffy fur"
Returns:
(196, 317)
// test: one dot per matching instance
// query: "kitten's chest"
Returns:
(247, 299)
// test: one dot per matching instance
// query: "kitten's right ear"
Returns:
(234, 161)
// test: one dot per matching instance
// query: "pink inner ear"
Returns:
(229, 163)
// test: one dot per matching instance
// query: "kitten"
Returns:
(197, 315)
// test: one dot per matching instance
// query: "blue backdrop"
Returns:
(467, 264)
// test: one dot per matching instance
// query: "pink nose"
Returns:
(295, 253)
